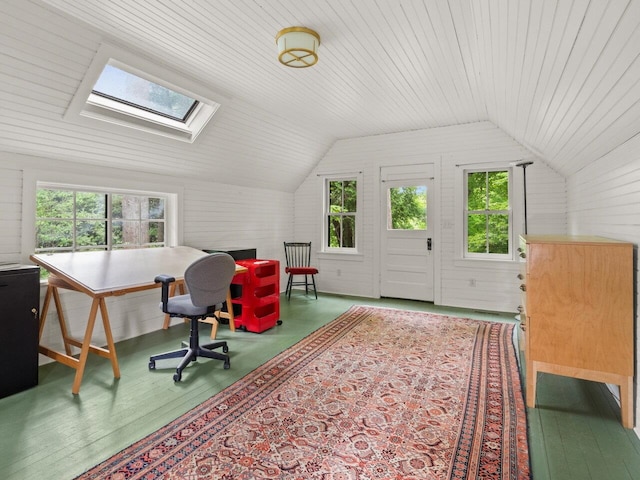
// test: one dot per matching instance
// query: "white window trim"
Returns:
(462, 257)
(32, 178)
(325, 251)
(87, 108)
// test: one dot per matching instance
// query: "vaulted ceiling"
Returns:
(562, 77)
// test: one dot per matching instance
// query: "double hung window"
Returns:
(488, 214)
(341, 214)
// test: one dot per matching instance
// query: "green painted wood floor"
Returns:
(48, 433)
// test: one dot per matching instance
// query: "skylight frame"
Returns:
(129, 100)
(87, 107)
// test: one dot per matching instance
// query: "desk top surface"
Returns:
(116, 272)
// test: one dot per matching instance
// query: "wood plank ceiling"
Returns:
(562, 77)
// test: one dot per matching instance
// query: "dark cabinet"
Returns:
(19, 307)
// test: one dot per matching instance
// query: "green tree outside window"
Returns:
(69, 220)
(407, 208)
(341, 217)
(488, 212)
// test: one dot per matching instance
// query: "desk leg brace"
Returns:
(53, 291)
(85, 346)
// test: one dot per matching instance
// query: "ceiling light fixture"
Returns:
(298, 47)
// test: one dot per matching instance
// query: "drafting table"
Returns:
(102, 274)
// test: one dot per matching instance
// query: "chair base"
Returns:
(306, 283)
(191, 352)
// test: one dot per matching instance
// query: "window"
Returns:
(76, 219)
(122, 89)
(487, 222)
(120, 86)
(407, 208)
(341, 213)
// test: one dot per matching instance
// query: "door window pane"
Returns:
(407, 208)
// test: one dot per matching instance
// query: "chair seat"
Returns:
(182, 305)
(301, 270)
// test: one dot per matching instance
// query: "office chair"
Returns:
(208, 280)
(298, 257)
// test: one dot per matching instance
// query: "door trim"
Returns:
(436, 161)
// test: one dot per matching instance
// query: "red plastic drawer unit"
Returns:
(258, 307)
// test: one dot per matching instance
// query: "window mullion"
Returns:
(109, 219)
(74, 243)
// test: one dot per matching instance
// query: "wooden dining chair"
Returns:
(298, 258)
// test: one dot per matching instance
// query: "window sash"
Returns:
(77, 225)
(341, 214)
(488, 213)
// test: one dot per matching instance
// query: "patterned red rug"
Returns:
(375, 394)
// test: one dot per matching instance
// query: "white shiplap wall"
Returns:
(604, 200)
(10, 213)
(216, 216)
(496, 284)
(44, 56)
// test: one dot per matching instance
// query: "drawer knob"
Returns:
(523, 255)
(520, 276)
(523, 287)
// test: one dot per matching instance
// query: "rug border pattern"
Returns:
(177, 440)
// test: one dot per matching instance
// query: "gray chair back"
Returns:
(208, 279)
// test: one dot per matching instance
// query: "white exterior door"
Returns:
(406, 263)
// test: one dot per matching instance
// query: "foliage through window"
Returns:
(488, 213)
(75, 220)
(407, 208)
(341, 213)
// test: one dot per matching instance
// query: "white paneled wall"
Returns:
(604, 200)
(44, 56)
(10, 214)
(216, 216)
(451, 148)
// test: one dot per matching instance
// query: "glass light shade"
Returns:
(297, 47)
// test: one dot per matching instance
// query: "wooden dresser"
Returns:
(578, 312)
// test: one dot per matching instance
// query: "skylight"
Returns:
(128, 91)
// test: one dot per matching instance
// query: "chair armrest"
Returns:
(165, 280)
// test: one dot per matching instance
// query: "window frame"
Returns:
(88, 108)
(357, 248)
(99, 181)
(465, 214)
(107, 218)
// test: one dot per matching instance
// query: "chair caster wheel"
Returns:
(279, 322)
(227, 365)
(225, 349)
(152, 365)
(177, 377)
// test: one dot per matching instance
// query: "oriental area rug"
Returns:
(377, 393)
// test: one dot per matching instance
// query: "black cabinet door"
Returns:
(19, 306)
